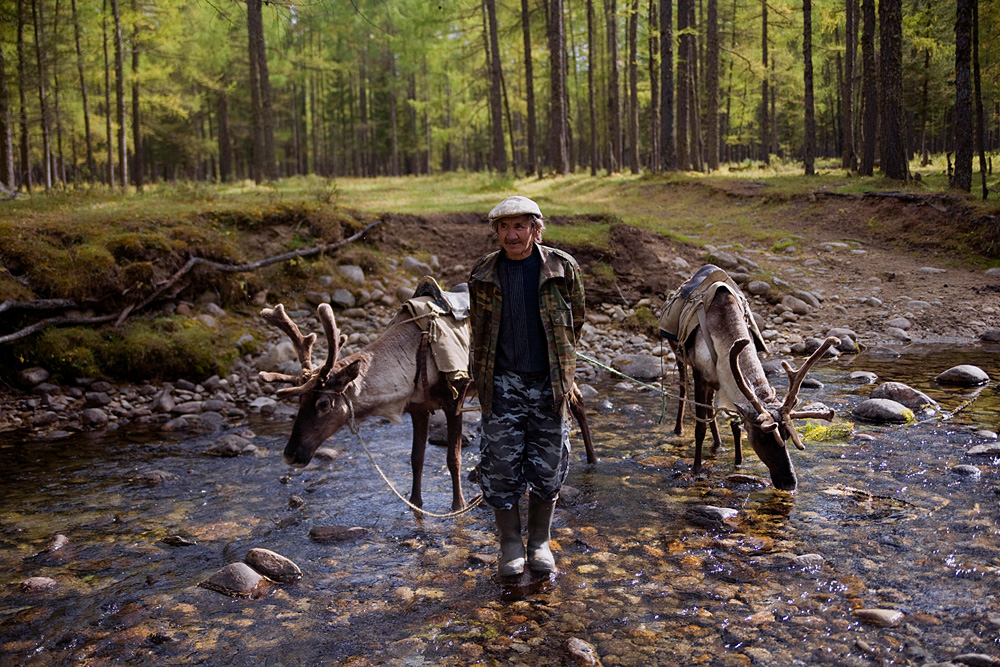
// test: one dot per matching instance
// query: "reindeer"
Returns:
(394, 374)
(720, 362)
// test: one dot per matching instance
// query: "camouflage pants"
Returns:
(525, 442)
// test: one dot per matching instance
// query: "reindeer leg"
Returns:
(713, 424)
(737, 441)
(455, 458)
(579, 411)
(682, 385)
(420, 419)
(701, 414)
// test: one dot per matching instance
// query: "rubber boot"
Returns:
(511, 561)
(540, 511)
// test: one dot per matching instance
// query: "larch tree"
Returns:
(558, 137)
(869, 90)
(895, 162)
(962, 178)
(809, 147)
(848, 157)
(120, 96)
(6, 133)
(591, 92)
(22, 88)
(614, 91)
(137, 164)
(668, 148)
(41, 49)
(633, 87)
(712, 85)
(529, 87)
(496, 102)
(683, 83)
(88, 142)
(765, 125)
(980, 116)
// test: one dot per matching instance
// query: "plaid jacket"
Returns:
(562, 304)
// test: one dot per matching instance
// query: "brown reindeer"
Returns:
(717, 352)
(394, 374)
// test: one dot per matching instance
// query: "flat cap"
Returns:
(516, 205)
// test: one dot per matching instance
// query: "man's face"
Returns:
(516, 235)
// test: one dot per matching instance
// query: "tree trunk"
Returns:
(107, 100)
(925, 158)
(496, 101)
(895, 156)
(980, 116)
(654, 88)
(22, 87)
(765, 126)
(260, 92)
(668, 148)
(58, 158)
(696, 142)
(683, 81)
(559, 150)
(712, 85)
(591, 93)
(848, 157)
(120, 95)
(225, 136)
(869, 90)
(963, 96)
(137, 162)
(809, 152)
(633, 87)
(529, 87)
(38, 14)
(6, 133)
(91, 168)
(256, 110)
(614, 95)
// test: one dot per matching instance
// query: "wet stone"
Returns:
(235, 579)
(882, 352)
(640, 366)
(809, 561)
(582, 653)
(228, 445)
(38, 584)
(976, 660)
(273, 565)
(882, 410)
(178, 541)
(326, 534)
(964, 375)
(94, 418)
(886, 618)
(991, 449)
(991, 336)
(712, 516)
(863, 377)
(903, 394)
(968, 471)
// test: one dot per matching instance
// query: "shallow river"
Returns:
(642, 579)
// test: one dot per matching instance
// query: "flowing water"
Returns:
(643, 578)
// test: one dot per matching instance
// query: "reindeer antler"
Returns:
(764, 418)
(303, 348)
(795, 378)
(333, 336)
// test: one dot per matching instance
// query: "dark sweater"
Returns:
(521, 347)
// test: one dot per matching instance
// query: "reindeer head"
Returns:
(324, 393)
(769, 423)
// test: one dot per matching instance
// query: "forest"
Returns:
(132, 92)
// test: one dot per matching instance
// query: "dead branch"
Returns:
(160, 289)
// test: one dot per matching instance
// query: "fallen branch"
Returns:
(160, 289)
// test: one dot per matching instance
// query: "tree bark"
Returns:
(120, 95)
(614, 91)
(654, 88)
(22, 87)
(712, 85)
(559, 147)
(895, 157)
(963, 96)
(91, 167)
(529, 87)
(765, 126)
(38, 14)
(496, 101)
(256, 110)
(980, 116)
(668, 147)
(696, 142)
(869, 90)
(107, 100)
(58, 157)
(137, 162)
(633, 87)
(6, 132)
(683, 82)
(848, 157)
(591, 93)
(809, 152)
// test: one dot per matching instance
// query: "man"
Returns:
(527, 313)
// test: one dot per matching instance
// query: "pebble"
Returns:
(273, 565)
(38, 584)
(886, 618)
(991, 450)
(235, 579)
(582, 653)
(964, 470)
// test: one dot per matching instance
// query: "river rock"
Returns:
(38, 584)
(969, 471)
(163, 401)
(796, 305)
(882, 410)
(863, 377)
(990, 336)
(886, 618)
(273, 565)
(587, 391)
(899, 323)
(721, 258)
(325, 534)
(758, 287)
(964, 375)
(712, 516)
(228, 445)
(899, 334)
(154, 477)
(991, 449)
(209, 422)
(976, 660)
(807, 297)
(235, 579)
(809, 561)
(416, 267)
(45, 419)
(639, 366)
(275, 355)
(353, 273)
(581, 653)
(342, 298)
(96, 399)
(94, 418)
(883, 352)
(848, 340)
(30, 377)
(904, 394)
(264, 405)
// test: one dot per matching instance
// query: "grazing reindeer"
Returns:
(717, 352)
(394, 374)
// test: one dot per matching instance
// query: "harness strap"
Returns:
(703, 323)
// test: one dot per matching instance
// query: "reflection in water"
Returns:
(879, 521)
